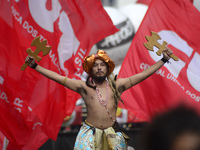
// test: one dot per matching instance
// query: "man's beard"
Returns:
(100, 79)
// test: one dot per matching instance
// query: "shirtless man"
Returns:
(100, 130)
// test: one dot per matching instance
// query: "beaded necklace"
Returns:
(102, 101)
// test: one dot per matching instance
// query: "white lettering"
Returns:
(3, 96)
(18, 102)
(18, 109)
(29, 108)
(42, 38)
(78, 74)
(30, 29)
(37, 123)
(25, 25)
(83, 52)
(193, 96)
(54, 60)
(160, 72)
(144, 66)
(1, 80)
(172, 78)
(80, 55)
(78, 61)
(20, 19)
(197, 98)
(16, 15)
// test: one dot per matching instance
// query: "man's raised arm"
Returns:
(127, 83)
(69, 83)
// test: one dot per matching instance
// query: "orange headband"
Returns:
(102, 55)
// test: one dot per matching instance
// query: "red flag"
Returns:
(178, 23)
(147, 2)
(32, 106)
(3, 142)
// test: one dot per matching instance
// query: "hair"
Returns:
(161, 133)
(112, 83)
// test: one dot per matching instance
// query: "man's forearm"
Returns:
(49, 74)
(152, 69)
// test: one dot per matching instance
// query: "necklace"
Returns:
(102, 101)
(100, 97)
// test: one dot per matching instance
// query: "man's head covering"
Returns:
(102, 55)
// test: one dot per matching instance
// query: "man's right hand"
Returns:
(29, 59)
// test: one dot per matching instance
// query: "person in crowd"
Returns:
(176, 129)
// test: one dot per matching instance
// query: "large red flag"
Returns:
(32, 106)
(178, 23)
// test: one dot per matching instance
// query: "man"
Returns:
(100, 130)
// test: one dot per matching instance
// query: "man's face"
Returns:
(99, 69)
